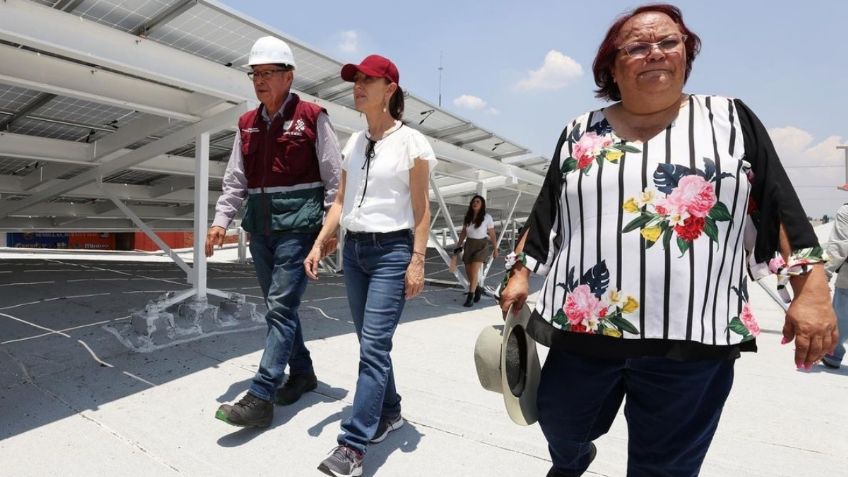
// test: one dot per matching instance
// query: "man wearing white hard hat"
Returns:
(285, 163)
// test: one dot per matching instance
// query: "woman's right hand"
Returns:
(312, 260)
(514, 294)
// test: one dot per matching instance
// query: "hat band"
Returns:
(516, 361)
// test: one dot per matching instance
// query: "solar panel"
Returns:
(209, 34)
(84, 113)
(12, 166)
(13, 98)
(126, 15)
(211, 31)
(32, 127)
(134, 177)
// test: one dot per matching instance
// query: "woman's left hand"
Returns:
(810, 320)
(414, 276)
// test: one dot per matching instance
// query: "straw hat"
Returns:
(507, 363)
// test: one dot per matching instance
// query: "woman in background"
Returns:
(478, 234)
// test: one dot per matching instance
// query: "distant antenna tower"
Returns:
(440, 79)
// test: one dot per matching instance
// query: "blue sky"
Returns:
(524, 69)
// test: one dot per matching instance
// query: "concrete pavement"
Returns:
(74, 401)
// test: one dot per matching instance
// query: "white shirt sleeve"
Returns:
(234, 188)
(417, 147)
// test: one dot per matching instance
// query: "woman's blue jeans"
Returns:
(840, 306)
(374, 274)
(278, 260)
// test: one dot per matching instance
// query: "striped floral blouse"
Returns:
(647, 246)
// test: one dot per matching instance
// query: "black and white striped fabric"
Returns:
(642, 243)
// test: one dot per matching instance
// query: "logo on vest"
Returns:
(299, 127)
(250, 130)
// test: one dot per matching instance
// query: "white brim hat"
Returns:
(507, 363)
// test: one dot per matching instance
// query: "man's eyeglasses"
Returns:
(369, 154)
(263, 75)
(641, 49)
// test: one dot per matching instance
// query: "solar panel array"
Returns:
(212, 31)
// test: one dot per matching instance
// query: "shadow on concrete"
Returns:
(405, 439)
(56, 359)
(282, 414)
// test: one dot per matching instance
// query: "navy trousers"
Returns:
(672, 410)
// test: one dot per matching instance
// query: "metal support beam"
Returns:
(56, 76)
(150, 233)
(527, 160)
(79, 154)
(316, 88)
(504, 227)
(452, 131)
(172, 141)
(242, 245)
(471, 140)
(172, 184)
(173, 12)
(46, 172)
(142, 127)
(446, 258)
(201, 211)
(510, 154)
(443, 207)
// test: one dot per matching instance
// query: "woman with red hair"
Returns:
(651, 211)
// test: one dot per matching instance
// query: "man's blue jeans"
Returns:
(672, 410)
(840, 307)
(278, 260)
(374, 274)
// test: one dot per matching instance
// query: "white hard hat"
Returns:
(270, 50)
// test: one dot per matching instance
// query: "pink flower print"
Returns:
(581, 306)
(693, 195)
(776, 264)
(748, 319)
(588, 148)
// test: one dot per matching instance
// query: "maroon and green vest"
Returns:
(286, 193)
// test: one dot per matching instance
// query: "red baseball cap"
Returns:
(373, 65)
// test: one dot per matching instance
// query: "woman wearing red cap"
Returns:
(383, 205)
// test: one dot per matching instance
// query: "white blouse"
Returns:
(481, 232)
(383, 204)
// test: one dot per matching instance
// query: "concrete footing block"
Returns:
(163, 323)
(196, 315)
(153, 324)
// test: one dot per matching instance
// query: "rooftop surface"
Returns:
(75, 401)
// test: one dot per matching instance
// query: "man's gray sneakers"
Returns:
(343, 461)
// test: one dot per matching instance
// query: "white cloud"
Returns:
(348, 41)
(557, 71)
(468, 101)
(815, 168)
(494, 111)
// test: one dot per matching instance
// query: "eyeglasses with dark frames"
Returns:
(641, 49)
(264, 75)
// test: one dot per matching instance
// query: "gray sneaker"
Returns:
(343, 461)
(386, 426)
